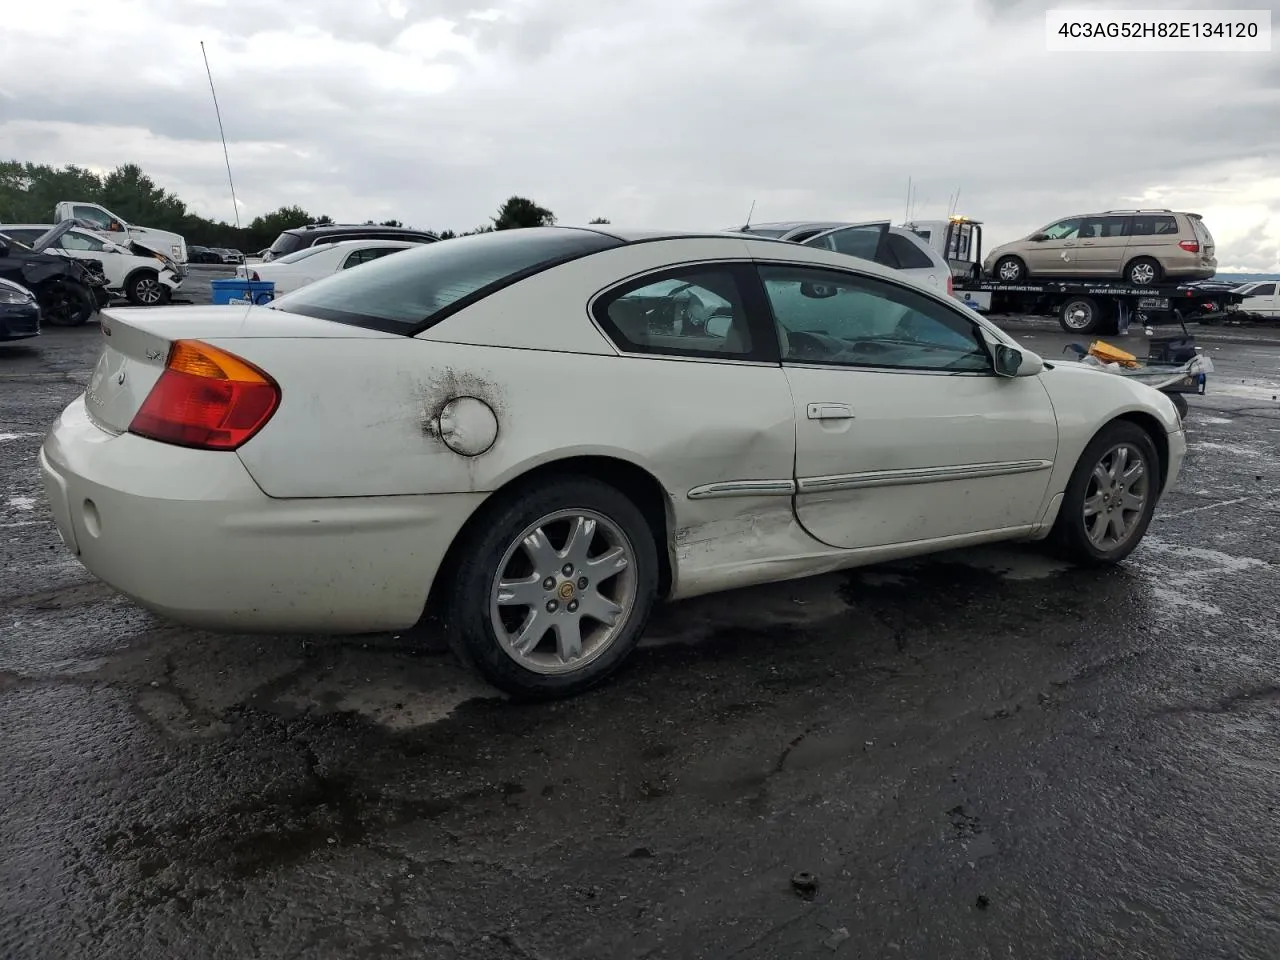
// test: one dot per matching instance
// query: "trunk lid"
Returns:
(136, 342)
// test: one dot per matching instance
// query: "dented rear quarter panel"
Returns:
(356, 418)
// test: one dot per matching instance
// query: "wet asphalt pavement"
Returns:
(980, 755)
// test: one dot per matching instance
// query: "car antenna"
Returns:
(747, 226)
(222, 133)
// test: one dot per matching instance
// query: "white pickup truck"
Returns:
(101, 219)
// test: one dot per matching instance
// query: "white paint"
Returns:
(1216, 421)
(1201, 509)
(1184, 579)
(1248, 391)
(21, 503)
(337, 515)
(7, 437)
(1243, 450)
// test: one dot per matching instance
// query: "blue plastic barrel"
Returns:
(238, 290)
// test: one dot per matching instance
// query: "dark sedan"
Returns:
(19, 312)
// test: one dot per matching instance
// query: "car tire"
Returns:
(144, 289)
(1009, 270)
(1180, 402)
(482, 629)
(1081, 315)
(1076, 530)
(66, 304)
(1143, 272)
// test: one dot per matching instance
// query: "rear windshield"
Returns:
(285, 243)
(411, 292)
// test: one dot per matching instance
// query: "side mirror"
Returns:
(1012, 362)
(817, 291)
(719, 326)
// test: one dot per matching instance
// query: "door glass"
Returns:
(1063, 229)
(80, 241)
(95, 215)
(355, 259)
(685, 312)
(1263, 290)
(832, 318)
(1115, 226)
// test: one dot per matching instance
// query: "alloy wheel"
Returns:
(564, 591)
(1116, 496)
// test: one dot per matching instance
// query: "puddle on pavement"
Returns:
(391, 694)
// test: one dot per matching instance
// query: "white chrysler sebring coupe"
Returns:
(537, 433)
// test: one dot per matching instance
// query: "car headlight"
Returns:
(11, 296)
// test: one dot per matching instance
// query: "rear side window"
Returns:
(25, 236)
(908, 254)
(422, 285)
(1154, 226)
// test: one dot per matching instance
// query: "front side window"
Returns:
(1263, 290)
(409, 293)
(833, 318)
(95, 215)
(685, 312)
(1063, 229)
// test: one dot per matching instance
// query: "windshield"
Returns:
(408, 293)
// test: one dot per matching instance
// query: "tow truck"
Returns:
(1083, 306)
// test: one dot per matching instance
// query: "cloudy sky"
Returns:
(650, 112)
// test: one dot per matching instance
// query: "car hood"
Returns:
(53, 235)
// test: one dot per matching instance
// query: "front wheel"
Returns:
(554, 588)
(66, 303)
(144, 289)
(1110, 497)
(1010, 270)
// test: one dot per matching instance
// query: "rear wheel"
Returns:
(1143, 272)
(65, 303)
(553, 589)
(1081, 315)
(1111, 496)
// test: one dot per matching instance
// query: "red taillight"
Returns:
(951, 285)
(206, 398)
(1191, 246)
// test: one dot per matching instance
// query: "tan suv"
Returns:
(1142, 247)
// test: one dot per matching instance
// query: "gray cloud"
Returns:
(664, 112)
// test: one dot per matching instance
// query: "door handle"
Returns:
(829, 411)
(1087, 243)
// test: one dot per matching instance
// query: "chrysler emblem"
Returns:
(120, 377)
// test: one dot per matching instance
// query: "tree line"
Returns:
(30, 191)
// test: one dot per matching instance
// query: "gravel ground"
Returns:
(985, 754)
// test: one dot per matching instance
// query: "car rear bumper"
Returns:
(189, 535)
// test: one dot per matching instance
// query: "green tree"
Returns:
(600, 220)
(522, 212)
